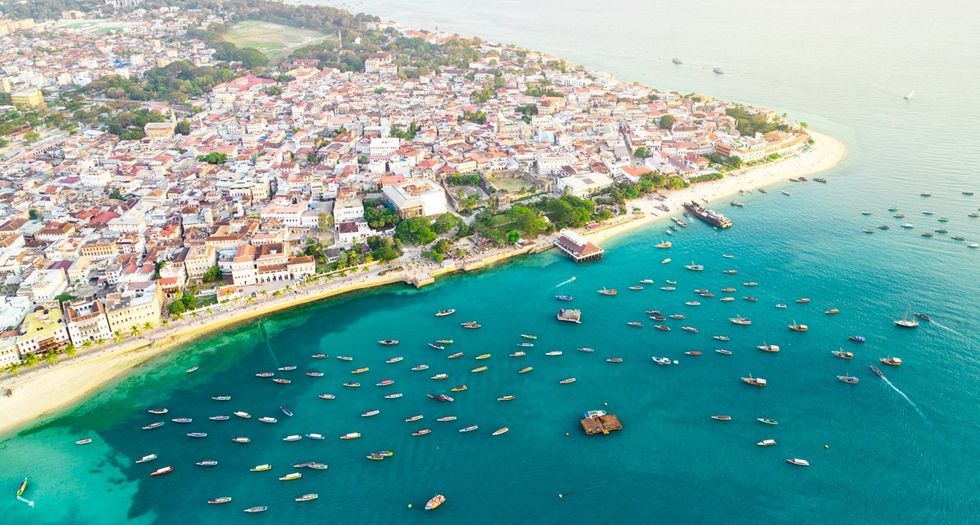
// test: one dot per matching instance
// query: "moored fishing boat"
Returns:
(851, 380)
(221, 398)
(635, 324)
(841, 353)
(856, 338)
(393, 360)
(207, 463)
(420, 368)
(798, 462)
(768, 348)
(553, 353)
(242, 439)
(721, 338)
(441, 397)
(394, 395)
(307, 497)
(499, 431)
(832, 311)
(286, 411)
(385, 382)
(754, 381)
(287, 368)
(146, 458)
(519, 353)
(197, 435)
(351, 384)
(508, 397)
(479, 369)
(158, 411)
(614, 360)
(567, 381)
(267, 419)
(766, 443)
(436, 346)
(350, 435)
(314, 435)
(795, 327)
(767, 421)
(261, 468)
(607, 291)
(281, 380)
(370, 413)
(361, 370)
(256, 510)
(740, 320)
(459, 388)
(388, 342)
(220, 501)
(525, 370)
(721, 417)
(482, 357)
(455, 355)
(291, 476)
(570, 315)
(444, 313)
(470, 428)
(439, 377)
(530, 337)
(151, 426)
(891, 361)
(242, 414)
(564, 297)
(422, 432)
(723, 351)
(412, 419)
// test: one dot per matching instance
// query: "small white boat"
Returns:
(351, 435)
(146, 458)
(499, 431)
(798, 462)
(315, 436)
(766, 443)
(292, 437)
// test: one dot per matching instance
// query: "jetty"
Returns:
(599, 422)
(577, 247)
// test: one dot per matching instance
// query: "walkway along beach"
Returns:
(42, 392)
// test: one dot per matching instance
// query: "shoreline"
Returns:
(44, 393)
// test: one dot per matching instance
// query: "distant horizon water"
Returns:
(900, 450)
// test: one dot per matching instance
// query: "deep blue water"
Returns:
(887, 459)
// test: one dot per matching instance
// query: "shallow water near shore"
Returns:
(888, 459)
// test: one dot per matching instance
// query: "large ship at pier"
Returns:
(711, 217)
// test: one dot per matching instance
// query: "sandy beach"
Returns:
(41, 393)
(825, 153)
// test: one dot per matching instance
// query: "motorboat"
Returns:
(219, 418)
(841, 353)
(740, 321)
(470, 428)
(370, 413)
(207, 463)
(567, 381)
(499, 431)
(769, 348)
(256, 510)
(151, 426)
(158, 411)
(394, 395)
(508, 397)
(307, 497)
(444, 313)
(455, 355)
(721, 417)
(291, 476)
(754, 381)
(245, 440)
(723, 351)
(435, 502)
(388, 342)
(798, 462)
(261, 468)
(662, 361)
(891, 361)
(851, 380)
(350, 435)
(766, 443)
(796, 327)
(161, 471)
(220, 501)
(146, 458)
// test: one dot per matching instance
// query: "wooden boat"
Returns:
(518, 353)
(370, 413)
(388, 342)
(244, 440)
(832, 311)
(614, 360)
(795, 327)
(385, 382)
(420, 368)
(891, 361)
(553, 353)
(394, 395)
(261, 468)
(351, 384)
(456, 355)
(723, 351)
(693, 353)
(207, 463)
(754, 381)
(841, 353)
(479, 369)
(459, 388)
(361, 370)
(525, 370)
(499, 431)
(439, 377)
(607, 291)
(769, 348)
(446, 419)
(482, 357)
(508, 397)
(567, 381)
(307, 497)
(412, 419)
(255, 510)
(422, 432)
(151, 426)
(350, 435)
(281, 380)
(530, 337)
(220, 501)
(721, 417)
(767, 421)
(470, 428)
(393, 360)
(161, 471)
(291, 476)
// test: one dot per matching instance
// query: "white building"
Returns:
(423, 198)
(584, 184)
(382, 148)
(348, 210)
(43, 285)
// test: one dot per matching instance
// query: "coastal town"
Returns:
(150, 174)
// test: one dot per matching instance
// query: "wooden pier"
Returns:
(577, 247)
(603, 424)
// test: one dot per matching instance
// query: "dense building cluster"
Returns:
(103, 235)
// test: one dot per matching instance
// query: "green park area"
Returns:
(273, 40)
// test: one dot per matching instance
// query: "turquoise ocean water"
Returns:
(896, 455)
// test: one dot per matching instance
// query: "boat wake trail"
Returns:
(895, 388)
(944, 327)
(29, 502)
(563, 283)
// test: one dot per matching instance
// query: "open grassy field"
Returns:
(273, 40)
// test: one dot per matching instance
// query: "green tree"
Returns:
(115, 194)
(445, 222)
(31, 137)
(416, 231)
(213, 158)
(212, 275)
(513, 236)
(666, 122)
(183, 127)
(640, 152)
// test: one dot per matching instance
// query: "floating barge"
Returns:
(712, 217)
(599, 422)
(577, 247)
